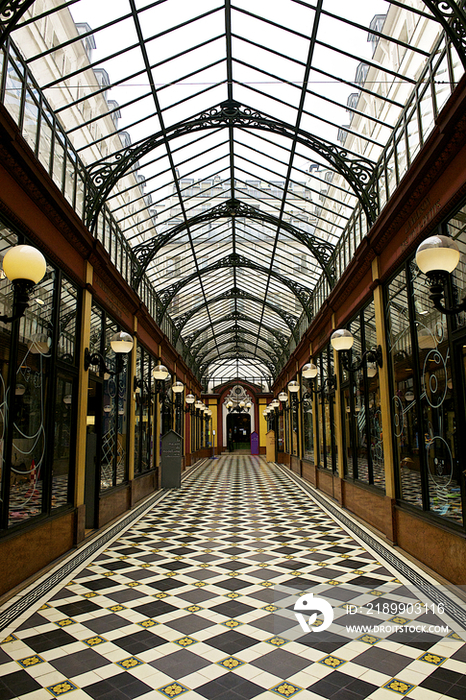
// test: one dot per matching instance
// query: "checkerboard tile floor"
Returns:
(196, 600)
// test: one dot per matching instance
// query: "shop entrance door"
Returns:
(93, 439)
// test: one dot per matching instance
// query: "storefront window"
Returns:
(361, 413)
(325, 439)
(425, 414)
(144, 413)
(308, 427)
(38, 396)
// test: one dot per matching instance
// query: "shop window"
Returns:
(38, 391)
(325, 442)
(361, 412)
(426, 362)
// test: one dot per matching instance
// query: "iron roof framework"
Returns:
(231, 119)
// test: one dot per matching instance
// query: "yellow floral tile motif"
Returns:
(267, 584)
(233, 558)
(230, 663)
(260, 550)
(45, 606)
(30, 661)
(148, 623)
(332, 582)
(70, 583)
(455, 635)
(317, 622)
(277, 641)
(146, 566)
(161, 595)
(233, 595)
(155, 551)
(93, 641)
(312, 549)
(231, 624)
(286, 690)
(109, 573)
(91, 594)
(322, 563)
(270, 608)
(344, 556)
(396, 580)
(123, 558)
(174, 690)
(378, 593)
(232, 574)
(199, 584)
(397, 686)
(434, 659)
(263, 565)
(359, 572)
(185, 641)
(66, 622)
(204, 566)
(130, 662)
(207, 551)
(332, 661)
(179, 558)
(133, 584)
(170, 574)
(368, 639)
(399, 620)
(116, 608)
(62, 688)
(288, 556)
(193, 608)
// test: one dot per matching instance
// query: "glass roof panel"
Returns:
(237, 124)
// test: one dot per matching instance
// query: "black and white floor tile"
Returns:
(196, 600)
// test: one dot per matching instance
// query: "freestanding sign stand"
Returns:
(172, 454)
(270, 446)
(254, 443)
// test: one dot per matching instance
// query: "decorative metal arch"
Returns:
(235, 356)
(236, 349)
(303, 294)
(237, 316)
(233, 208)
(11, 12)
(238, 337)
(235, 293)
(358, 171)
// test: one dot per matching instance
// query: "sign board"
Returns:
(172, 455)
(270, 446)
(254, 443)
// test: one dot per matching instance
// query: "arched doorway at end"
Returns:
(238, 431)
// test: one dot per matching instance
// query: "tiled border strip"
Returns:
(44, 585)
(455, 611)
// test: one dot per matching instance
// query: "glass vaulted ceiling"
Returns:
(236, 144)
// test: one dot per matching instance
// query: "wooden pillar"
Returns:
(132, 408)
(384, 383)
(338, 426)
(83, 382)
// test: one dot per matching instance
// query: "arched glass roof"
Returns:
(241, 146)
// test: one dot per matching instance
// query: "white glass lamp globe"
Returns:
(275, 403)
(342, 339)
(309, 371)
(230, 404)
(160, 372)
(209, 412)
(437, 253)
(371, 369)
(293, 387)
(24, 262)
(121, 342)
(198, 404)
(190, 399)
(242, 404)
(178, 388)
(283, 397)
(248, 405)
